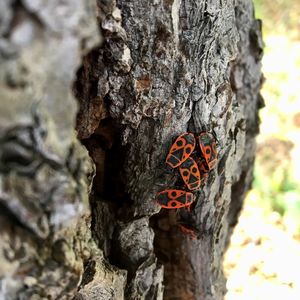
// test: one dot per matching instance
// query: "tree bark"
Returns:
(79, 220)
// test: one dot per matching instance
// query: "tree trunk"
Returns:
(79, 220)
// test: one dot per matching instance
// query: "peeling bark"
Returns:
(143, 72)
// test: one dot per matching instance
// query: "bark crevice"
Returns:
(156, 70)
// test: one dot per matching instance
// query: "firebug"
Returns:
(207, 145)
(173, 199)
(203, 168)
(181, 149)
(190, 173)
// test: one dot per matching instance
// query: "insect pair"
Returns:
(193, 164)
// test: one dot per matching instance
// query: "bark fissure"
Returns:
(157, 69)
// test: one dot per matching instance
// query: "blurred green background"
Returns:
(277, 171)
(264, 256)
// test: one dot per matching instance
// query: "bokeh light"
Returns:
(264, 255)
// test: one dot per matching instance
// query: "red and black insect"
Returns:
(181, 149)
(207, 144)
(203, 168)
(172, 199)
(190, 173)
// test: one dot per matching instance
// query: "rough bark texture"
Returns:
(142, 72)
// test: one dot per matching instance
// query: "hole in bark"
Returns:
(100, 134)
(108, 154)
(89, 272)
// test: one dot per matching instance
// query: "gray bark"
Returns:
(79, 220)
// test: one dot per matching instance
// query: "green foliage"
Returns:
(278, 190)
(258, 9)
